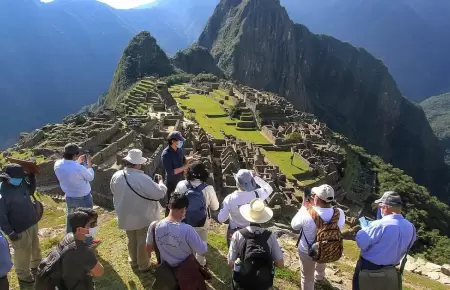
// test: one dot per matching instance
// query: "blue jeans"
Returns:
(75, 202)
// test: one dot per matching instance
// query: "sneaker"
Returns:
(28, 279)
(95, 243)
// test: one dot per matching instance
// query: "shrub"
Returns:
(293, 137)
(221, 102)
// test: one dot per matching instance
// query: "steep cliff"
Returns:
(437, 110)
(195, 60)
(142, 57)
(256, 43)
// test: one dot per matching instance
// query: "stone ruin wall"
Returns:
(100, 139)
(109, 151)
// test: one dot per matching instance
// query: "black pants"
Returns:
(4, 284)
(363, 264)
(170, 189)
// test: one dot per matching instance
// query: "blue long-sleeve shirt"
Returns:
(385, 241)
(172, 160)
(5, 257)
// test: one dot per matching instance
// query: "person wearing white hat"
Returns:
(255, 213)
(247, 183)
(136, 201)
(320, 204)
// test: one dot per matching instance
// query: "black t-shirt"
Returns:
(76, 264)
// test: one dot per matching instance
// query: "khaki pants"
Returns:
(27, 253)
(310, 271)
(137, 240)
(203, 233)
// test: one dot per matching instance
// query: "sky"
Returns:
(120, 4)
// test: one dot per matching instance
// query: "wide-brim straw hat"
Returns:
(135, 157)
(256, 211)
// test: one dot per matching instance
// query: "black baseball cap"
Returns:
(175, 135)
(13, 170)
(71, 149)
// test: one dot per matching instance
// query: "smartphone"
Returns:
(86, 156)
(363, 222)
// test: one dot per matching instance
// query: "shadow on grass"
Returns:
(111, 280)
(218, 266)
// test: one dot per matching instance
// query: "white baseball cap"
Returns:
(324, 192)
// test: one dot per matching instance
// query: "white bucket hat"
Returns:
(135, 157)
(256, 211)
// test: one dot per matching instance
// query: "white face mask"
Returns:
(93, 231)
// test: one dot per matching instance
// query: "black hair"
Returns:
(89, 211)
(178, 201)
(170, 140)
(78, 219)
(68, 156)
(197, 171)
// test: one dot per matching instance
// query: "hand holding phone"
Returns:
(363, 222)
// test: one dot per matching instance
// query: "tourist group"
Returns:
(179, 240)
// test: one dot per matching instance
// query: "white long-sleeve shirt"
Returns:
(73, 177)
(134, 212)
(233, 201)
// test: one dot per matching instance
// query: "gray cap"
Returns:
(244, 179)
(390, 198)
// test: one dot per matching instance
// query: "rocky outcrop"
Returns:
(432, 271)
(437, 110)
(196, 60)
(256, 43)
(142, 57)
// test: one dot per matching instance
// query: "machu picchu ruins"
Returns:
(144, 116)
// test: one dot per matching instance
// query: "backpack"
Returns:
(49, 274)
(196, 212)
(328, 245)
(256, 271)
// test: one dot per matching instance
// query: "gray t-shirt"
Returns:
(176, 241)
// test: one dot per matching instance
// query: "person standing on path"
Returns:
(136, 201)
(5, 263)
(74, 179)
(319, 204)
(246, 182)
(18, 220)
(175, 163)
(196, 177)
(383, 244)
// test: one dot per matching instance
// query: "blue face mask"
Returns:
(180, 144)
(15, 181)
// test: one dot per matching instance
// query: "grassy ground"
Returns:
(206, 105)
(112, 253)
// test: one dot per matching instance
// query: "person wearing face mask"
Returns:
(18, 219)
(383, 244)
(175, 163)
(319, 205)
(80, 264)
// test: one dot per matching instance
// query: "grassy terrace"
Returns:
(206, 105)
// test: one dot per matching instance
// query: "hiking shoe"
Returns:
(28, 279)
(95, 243)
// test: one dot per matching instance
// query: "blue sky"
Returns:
(120, 4)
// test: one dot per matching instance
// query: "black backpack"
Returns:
(49, 274)
(256, 271)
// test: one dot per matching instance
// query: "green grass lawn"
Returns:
(206, 105)
(282, 160)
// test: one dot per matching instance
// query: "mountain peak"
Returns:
(256, 43)
(142, 57)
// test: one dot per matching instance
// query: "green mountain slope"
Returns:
(195, 60)
(437, 110)
(142, 57)
(256, 43)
